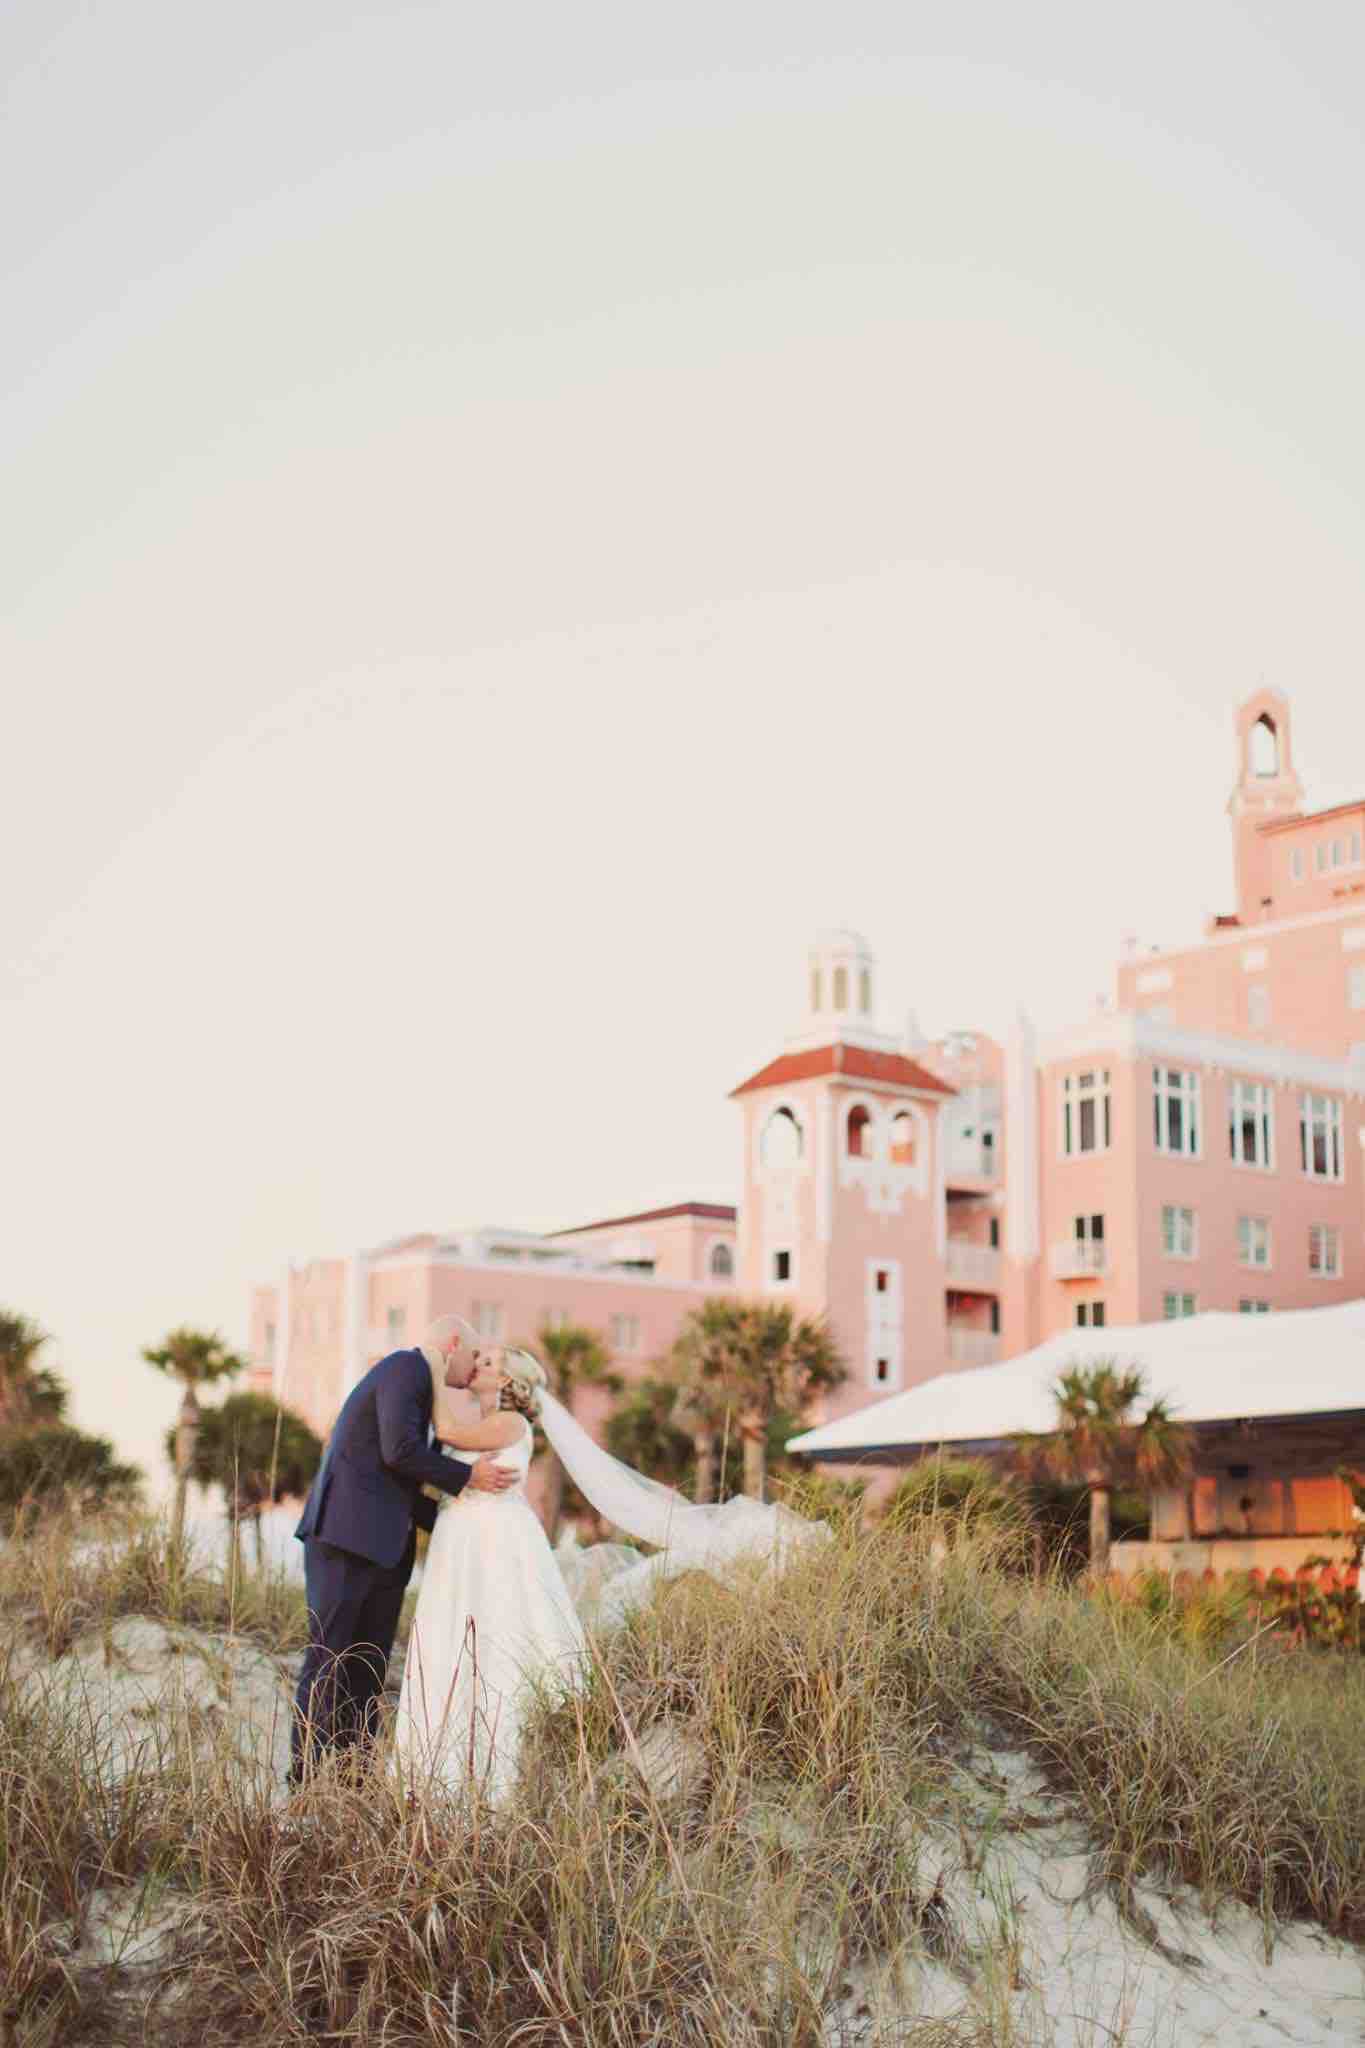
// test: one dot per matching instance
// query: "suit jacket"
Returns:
(367, 1493)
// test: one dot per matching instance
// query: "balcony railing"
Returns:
(973, 1347)
(970, 1163)
(1079, 1258)
(972, 1266)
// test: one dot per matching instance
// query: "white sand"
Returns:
(1057, 1966)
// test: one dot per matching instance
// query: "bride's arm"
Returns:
(480, 1433)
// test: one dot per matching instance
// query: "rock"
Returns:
(128, 1927)
(671, 1761)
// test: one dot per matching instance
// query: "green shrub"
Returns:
(52, 1465)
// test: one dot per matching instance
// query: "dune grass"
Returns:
(66, 1576)
(824, 1712)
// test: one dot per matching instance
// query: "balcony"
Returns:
(971, 1168)
(975, 1268)
(973, 1347)
(1079, 1258)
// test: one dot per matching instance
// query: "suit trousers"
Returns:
(353, 1610)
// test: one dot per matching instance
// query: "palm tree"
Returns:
(644, 1431)
(29, 1393)
(258, 1453)
(196, 1358)
(759, 1357)
(701, 1407)
(574, 1357)
(1101, 1441)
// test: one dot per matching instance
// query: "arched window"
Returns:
(902, 1139)
(815, 988)
(781, 1141)
(841, 988)
(865, 989)
(858, 1135)
(1265, 746)
(722, 1262)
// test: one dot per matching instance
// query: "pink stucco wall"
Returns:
(1132, 1182)
(694, 1248)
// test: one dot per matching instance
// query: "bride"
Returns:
(494, 1620)
(495, 1623)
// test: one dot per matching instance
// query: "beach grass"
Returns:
(821, 1719)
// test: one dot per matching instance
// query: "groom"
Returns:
(359, 1535)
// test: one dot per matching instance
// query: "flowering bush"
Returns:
(1319, 1606)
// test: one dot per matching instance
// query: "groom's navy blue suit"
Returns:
(359, 1535)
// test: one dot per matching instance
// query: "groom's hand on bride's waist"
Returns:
(491, 1477)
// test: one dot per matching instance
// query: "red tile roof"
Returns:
(857, 1062)
(714, 1212)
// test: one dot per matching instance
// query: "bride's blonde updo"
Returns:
(523, 1380)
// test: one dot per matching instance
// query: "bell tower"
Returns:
(843, 1206)
(1266, 789)
(841, 987)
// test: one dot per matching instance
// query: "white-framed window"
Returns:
(1085, 1112)
(395, 1323)
(1175, 1103)
(624, 1333)
(722, 1262)
(1320, 857)
(1175, 1304)
(883, 1301)
(1258, 1007)
(1355, 988)
(487, 1318)
(1340, 853)
(902, 1138)
(269, 1345)
(1248, 1307)
(1089, 1315)
(1251, 1123)
(1320, 1148)
(782, 1269)
(781, 1142)
(1179, 1232)
(1324, 1251)
(1253, 1240)
(1296, 864)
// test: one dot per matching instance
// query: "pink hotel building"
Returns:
(1196, 1144)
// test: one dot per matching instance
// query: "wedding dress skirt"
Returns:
(494, 1626)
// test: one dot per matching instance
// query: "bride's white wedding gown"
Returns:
(494, 1622)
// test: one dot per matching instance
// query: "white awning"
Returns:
(1209, 1368)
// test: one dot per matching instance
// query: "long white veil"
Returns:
(687, 1535)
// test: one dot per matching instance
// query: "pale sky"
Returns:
(516, 516)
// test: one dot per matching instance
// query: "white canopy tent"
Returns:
(1209, 1368)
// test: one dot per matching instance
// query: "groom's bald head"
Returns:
(456, 1343)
